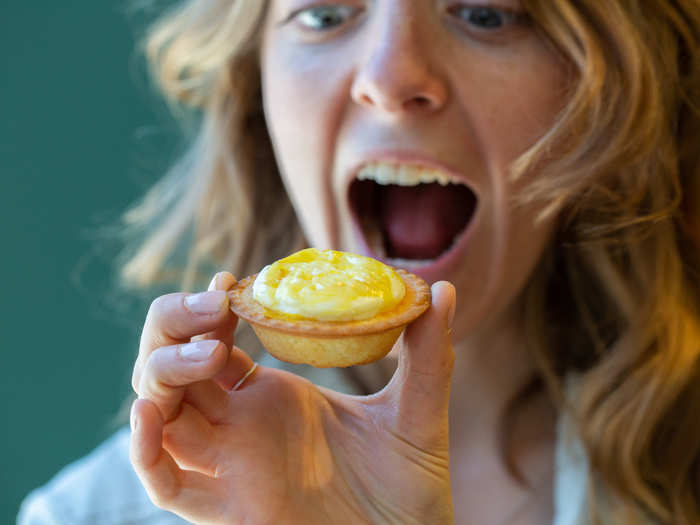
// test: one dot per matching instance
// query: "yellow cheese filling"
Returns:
(328, 285)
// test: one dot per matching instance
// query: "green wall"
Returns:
(81, 135)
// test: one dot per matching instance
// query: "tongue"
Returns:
(420, 222)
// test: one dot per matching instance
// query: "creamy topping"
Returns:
(328, 285)
(404, 174)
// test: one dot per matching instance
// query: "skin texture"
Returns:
(397, 79)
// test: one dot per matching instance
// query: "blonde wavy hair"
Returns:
(616, 297)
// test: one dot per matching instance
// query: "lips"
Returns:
(412, 216)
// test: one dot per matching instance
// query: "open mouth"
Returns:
(410, 215)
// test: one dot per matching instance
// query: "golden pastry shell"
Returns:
(331, 343)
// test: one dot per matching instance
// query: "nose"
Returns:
(399, 75)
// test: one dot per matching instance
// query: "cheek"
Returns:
(304, 90)
(301, 114)
(518, 98)
(528, 241)
(289, 110)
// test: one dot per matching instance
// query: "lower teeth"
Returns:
(408, 263)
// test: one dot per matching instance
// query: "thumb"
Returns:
(420, 387)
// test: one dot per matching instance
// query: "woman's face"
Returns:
(394, 123)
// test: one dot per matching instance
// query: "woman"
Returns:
(562, 387)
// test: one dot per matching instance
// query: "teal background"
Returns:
(81, 136)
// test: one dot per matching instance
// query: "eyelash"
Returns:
(506, 17)
(330, 10)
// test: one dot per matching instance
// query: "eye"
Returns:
(484, 17)
(324, 17)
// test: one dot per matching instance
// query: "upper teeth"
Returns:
(404, 174)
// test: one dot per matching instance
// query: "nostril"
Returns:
(418, 102)
(396, 97)
(364, 99)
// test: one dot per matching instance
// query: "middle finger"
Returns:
(170, 369)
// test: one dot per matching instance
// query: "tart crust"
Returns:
(330, 343)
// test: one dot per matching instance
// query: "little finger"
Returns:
(190, 494)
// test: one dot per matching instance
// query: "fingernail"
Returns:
(222, 281)
(206, 302)
(213, 284)
(199, 350)
(134, 422)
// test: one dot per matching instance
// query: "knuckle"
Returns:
(157, 339)
(154, 369)
(163, 497)
(164, 378)
(163, 322)
(161, 306)
(166, 400)
(156, 307)
(149, 383)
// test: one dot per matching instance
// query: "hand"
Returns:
(279, 449)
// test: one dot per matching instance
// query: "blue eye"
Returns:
(324, 18)
(488, 18)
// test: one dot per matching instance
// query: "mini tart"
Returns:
(325, 344)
